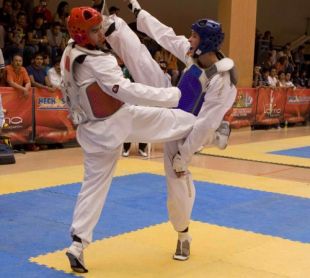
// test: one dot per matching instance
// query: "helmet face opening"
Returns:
(87, 15)
(211, 36)
(80, 21)
(202, 23)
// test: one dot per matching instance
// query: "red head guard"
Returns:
(80, 21)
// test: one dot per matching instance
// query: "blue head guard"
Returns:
(211, 36)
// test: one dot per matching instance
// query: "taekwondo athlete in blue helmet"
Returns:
(208, 91)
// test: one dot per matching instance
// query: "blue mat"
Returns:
(303, 152)
(37, 222)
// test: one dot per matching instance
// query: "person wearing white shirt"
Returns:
(288, 81)
(272, 78)
(54, 74)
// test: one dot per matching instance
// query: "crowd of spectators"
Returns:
(32, 40)
(279, 66)
(32, 45)
(38, 41)
(44, 35)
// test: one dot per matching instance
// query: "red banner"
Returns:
(51, 122)
(270, 106)
(244, 109)
(297, 106)
(42, 117)
(18, 115)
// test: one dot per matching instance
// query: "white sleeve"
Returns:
(142, 67)
(219, 98)
(163, 35)
(111, 80)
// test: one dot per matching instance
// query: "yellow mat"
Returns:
(37, 179)
(216, 252)
(260, 151)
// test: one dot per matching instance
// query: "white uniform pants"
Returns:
(181, 191)
(148, 124)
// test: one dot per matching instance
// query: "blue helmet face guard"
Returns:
(210, 34)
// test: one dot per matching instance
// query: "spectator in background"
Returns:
(141, 149)
(304, 79)
(97, 5)
(1, 114)
(2, 35)
(279, 54)
(272, 78)
(172, 66)
(46, 63)
(273, 58)
(127, 145)
(271, 42)
(265, 75)
(282, 64)
(299, 58)
(17, 7)
(163, 65)
(16, 36)
(36, 39)
(288, 81)
(28, 7)
(17, 76)
(43, 10)
(54, 74)
(2, 67)
(257, 77)
(6, 14)
(268, 60)
(288, 53)
(37, 74)
(267, 36)
(5, 20)
(114, 10)
(281, 79)
(56, 40)
(296, 79)
(262, 46)
(61, 14)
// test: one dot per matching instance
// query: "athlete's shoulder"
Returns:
(106, 60)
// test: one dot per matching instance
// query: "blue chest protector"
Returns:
(194, 82)
(192, 85)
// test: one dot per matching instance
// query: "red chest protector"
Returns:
(88, 102)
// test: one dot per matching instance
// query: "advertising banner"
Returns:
(243, 111)
(18, 115)
(270, 106)
(52, 124)
(297, 107)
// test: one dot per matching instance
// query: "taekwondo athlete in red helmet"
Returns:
(211, 78)
(109, 111)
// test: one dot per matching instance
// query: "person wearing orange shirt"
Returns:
(17, 76)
